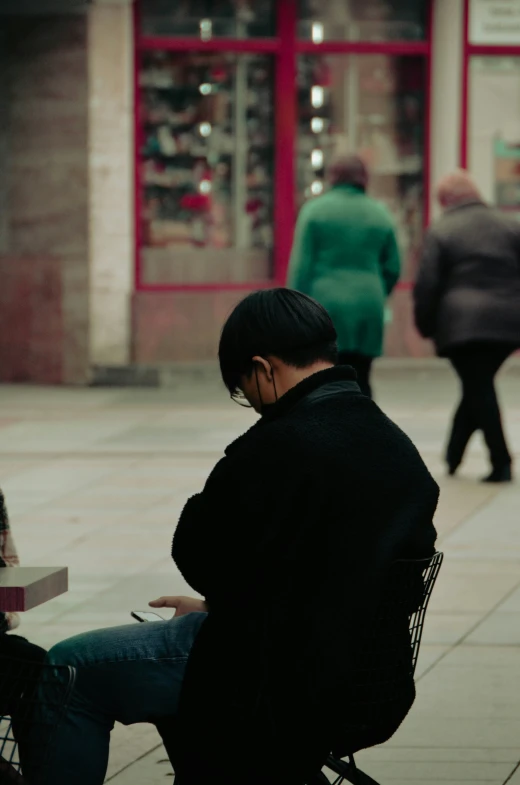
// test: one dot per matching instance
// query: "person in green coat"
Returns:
(345, 255)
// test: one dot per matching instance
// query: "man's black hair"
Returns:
(275, 322)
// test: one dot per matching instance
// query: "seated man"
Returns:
(288, 544)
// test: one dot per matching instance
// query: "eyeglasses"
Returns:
(239, 397)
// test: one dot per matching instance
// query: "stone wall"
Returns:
(180, 326)
(44, 227)
(4, 140)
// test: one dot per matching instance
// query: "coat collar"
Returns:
(332, 381)
(350, 187)
(462, 205)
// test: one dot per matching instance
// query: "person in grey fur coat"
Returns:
(467, 299)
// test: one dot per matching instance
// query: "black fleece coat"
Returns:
(468, 287)
(289, 542)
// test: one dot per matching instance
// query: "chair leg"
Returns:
(349, 771)
(320, 779)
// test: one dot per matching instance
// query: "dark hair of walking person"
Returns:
(467, 300)
(345, 255)
(349, 170)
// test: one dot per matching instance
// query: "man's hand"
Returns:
(182, 605)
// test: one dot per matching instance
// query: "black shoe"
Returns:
(454, 460)
(504, 474)
(452, 469)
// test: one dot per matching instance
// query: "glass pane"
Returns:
(207, 167)
(494, 22)
(374, 105)
(494, 129)
(362, 20)
(208, 19)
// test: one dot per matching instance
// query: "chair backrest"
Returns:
(430, 571)
(382, 686)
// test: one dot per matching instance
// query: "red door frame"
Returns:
(285, 47)
(468, 51)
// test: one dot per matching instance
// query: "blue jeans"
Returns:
(126, 674)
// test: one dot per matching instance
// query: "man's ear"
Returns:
(264, 366)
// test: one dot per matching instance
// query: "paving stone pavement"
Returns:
(95, 480)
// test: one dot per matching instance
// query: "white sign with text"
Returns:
(495, 22)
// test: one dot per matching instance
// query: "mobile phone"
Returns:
(146, 616)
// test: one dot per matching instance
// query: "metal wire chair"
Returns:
(383, 673)
(24, 715)
(384, 676)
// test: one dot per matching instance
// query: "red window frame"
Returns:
(285, 47)
(470, 50)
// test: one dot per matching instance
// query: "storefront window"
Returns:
(207, 19)
(494, 129)
(362, 20)
(374, 105)
(206, 167)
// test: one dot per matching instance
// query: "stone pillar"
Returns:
(111, 163)
(446, 98)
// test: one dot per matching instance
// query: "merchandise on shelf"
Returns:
(207, 150)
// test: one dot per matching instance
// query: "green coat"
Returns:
(345, 255)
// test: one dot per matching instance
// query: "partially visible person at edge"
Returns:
(288, 544)
(345, 255)
(467, 299)
(20, 660)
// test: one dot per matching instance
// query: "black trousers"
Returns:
(476, 365)
(20, 668)
(362, 366)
